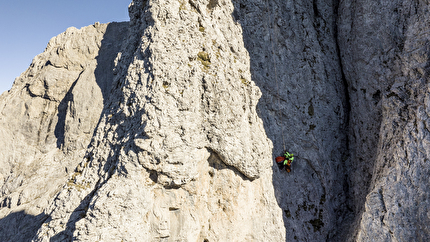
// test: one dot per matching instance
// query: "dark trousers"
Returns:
(282, 166)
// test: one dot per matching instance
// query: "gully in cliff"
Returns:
(285, 161)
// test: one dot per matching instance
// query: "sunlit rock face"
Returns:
(173, 148)
(47, 121)
(165, 128)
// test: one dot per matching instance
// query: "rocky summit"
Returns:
(166, 127)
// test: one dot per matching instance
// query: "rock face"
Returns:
(48, 119)
(165, 128)
(170, 157)
(295, 62)
(385, 54)
(179, 152)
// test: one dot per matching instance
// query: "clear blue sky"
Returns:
(26, 26)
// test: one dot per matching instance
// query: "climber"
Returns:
(285, 161)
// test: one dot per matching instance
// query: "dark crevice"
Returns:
(315, 8)
(60, 128)
(153, 175)
(347, 107)
(345, 230)
(217, 163)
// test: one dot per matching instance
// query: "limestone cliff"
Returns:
(165, 128)
(177, 151)
(47, 121)
(385, 55)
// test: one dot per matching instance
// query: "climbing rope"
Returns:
(275, 69)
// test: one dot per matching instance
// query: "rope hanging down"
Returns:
(286, 159)
(275, 69)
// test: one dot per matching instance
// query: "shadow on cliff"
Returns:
(20, 226)
(104, 75)
(110, 46)
(285, 124)
(262, 106)
(81, 210)
(260, 61)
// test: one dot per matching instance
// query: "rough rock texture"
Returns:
(161, 129)
(294, 60)
(179, 149)
(385, 54)
(179, 152)
(48, 119)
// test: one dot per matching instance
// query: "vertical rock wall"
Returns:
(385, 53)
(294, 60)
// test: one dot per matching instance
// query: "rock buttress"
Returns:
(180, 152)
